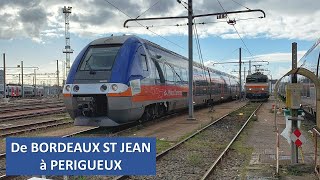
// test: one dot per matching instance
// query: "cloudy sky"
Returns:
(33, 30)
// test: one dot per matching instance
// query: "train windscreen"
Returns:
(257, 80)
(251, 80)
(99, 58)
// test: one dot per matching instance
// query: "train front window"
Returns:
(250, 80)
(262, 80)
(99, 58)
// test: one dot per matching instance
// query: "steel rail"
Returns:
(41, 126)
(34, 114)
(79, 132)
(163, 153)
(28, 104)
(30, 107)
(30, 124)
(3, 155)
(213, 166)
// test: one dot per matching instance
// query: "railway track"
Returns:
(30, 114)
(124, 128)
(23, 128)
(13, 105)
(30, 107)
(179, 149)
(3, 155)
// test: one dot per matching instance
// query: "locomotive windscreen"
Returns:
(256, 80)
(99, 58)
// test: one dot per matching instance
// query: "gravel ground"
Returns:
(34, 119)
(231, 167)
(181, 129)
(38, 132)
(2, 166)
(4, 115)
(172, 129)
(239, 162)
(193, 158)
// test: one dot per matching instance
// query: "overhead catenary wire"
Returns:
(181, 2)
(185, 24)
(143, 25)
(237, 32)
(241, 4)
(148, 9)
(200, 52)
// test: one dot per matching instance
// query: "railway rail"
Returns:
(3, 155)
(180, 143)
(32, 114)
(133, 125)
(23, 128)
(30, 107)
(13, 105)
(224, 152)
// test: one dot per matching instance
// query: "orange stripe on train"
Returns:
(153, 92)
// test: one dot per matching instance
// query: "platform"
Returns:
(262, 137)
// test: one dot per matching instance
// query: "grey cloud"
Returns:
(131, 8)
(21, 3)
(289, 7)
(33, 19)
(162, 7)
(212, 6)
(98, 18)
(102, 12)
(9, 27)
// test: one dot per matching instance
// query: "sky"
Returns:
(32, 31)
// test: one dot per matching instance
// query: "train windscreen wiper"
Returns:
(89, 66)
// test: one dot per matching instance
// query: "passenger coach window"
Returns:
(99, 58)
(144, 62)
(170, 76)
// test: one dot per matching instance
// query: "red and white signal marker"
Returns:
(298, 138)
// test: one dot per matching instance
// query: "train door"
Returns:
(17, 91)
(13, 91)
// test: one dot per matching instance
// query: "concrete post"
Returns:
(294, 112)
(190, 18)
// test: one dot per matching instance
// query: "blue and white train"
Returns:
(120, 79)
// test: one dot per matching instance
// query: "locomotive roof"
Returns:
(122, 39)
(257, 74)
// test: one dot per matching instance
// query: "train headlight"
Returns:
(103, 87)
(76, 88)
(114, 87)
(250, 89)
(67, 88)
(262, 89)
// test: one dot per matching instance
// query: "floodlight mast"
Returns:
(67, 50)
(190, 18)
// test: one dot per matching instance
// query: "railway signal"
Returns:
(297, 138)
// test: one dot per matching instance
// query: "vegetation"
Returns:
(194, 159)
(239, 147)
(162, 145)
